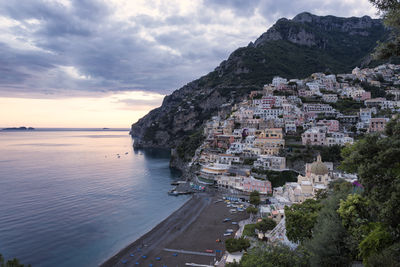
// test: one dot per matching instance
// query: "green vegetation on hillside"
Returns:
(283, 58)
(348, 106)
(308, 153)
(301, 219)
(375, 91)
(277, 178)
(189, 144)
(273, 256)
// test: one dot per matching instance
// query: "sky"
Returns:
(106, 63)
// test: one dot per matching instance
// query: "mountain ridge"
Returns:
(290, 48)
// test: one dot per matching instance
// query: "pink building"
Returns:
(315, 136)
(377, 125)
(365, 96)
(332, 125)
(305, 93)
(263, 186)
(268, 101)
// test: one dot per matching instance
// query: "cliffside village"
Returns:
(314, 111)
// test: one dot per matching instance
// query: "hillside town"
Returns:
(258, 139)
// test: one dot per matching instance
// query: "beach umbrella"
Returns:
(136, 263)
(132, 255)
(144, 256)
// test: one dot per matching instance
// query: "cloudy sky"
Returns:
(94, 63)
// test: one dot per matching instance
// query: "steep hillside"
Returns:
(290, 48)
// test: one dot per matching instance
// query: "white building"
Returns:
(276, 81)
(270, 162)
(338, 139)
(330, 98)
(290, 126)
(266, 114)
(365, 115)
(228, 159)
(314, 88)
(235, 148)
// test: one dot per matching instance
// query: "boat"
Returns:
(173, 193)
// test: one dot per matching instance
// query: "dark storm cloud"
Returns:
(47, 47)
(107, 55)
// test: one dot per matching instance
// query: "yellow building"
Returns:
(270, 141)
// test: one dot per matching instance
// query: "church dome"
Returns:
(318, 167)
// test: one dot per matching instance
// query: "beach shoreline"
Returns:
(140, 242)
(194, 227)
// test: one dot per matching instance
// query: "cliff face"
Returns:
(290, 48)
(307, 29)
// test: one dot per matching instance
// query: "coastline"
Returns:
(140, 242)
(193, 228)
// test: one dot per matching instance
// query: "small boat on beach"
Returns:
(173, 193)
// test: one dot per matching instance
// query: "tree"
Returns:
(355, 216)
(265, 225)
(248, 161)
(376, 160)
(255, 198)
(249, 230)
(251, 210)
(388, 257)
(330, 244)
(300, 220)
(11, 263)
(234, 245)
(390, 10)
(273, 256)
(378, 239)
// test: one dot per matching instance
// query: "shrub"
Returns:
(234, 245)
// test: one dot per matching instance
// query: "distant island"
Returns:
(23, 128)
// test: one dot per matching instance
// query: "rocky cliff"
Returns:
(290, 48)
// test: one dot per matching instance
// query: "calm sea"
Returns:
(67, 199)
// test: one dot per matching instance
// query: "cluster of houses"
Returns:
(253, 135)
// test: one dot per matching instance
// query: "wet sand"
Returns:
(194, 227)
